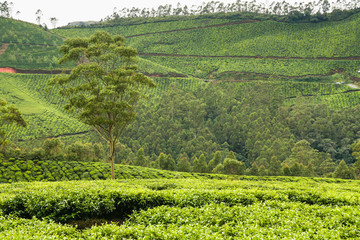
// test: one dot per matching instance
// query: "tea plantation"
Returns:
(252, 208)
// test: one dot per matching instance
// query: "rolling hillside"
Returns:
(283, 65)
(205, 48)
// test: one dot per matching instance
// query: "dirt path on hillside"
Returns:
(60, 136)
(251, 57)
(195, 28)
(3, 48)
(326, 94)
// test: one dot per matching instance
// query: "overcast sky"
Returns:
(85, 10)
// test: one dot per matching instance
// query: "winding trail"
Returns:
(59, 136)
(194, 28)
(251, 57)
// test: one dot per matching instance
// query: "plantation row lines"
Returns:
(355, 58)
(30, 44)
(52, 72)
(60, 135)
(194, 28)
(326, 94)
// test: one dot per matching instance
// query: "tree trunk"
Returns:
(112, 162)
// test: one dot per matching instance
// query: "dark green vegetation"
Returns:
(32, 168)
(276, 208)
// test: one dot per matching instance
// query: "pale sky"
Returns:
(84, 10)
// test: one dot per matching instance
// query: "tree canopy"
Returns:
(10, 119)
(105, 86)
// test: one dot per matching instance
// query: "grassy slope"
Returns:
(268, 38)
(42, 110)
(31, 47)
(207, 38)
(14, 31)
(144, 28)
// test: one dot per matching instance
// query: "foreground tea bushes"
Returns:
(270, 220)
(17, 228)
(68, 201)
(253, 208)
(20, 170)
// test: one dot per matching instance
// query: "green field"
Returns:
(42, 109)
(252, 208)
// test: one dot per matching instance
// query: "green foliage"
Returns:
(343, 171)
(166, 162)
(186, 209)
(105, 87)
(355, 148)
(233, 166)
(183, 164)
(210, 67)
(10, 120)
(32, 57)
(14, 170)
(324, 40)
(141, 160)
(200, 165)
(215, 161)
(42, 110)
(138, 29)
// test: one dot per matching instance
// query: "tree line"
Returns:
(295, 11)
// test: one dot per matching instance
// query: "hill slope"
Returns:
(218, 46)
(191, 117)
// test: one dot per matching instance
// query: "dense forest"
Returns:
(227, 127)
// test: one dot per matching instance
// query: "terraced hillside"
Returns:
(27, 45)
(190, 52)
(31, 49)
(42, 109)
(214, 47)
